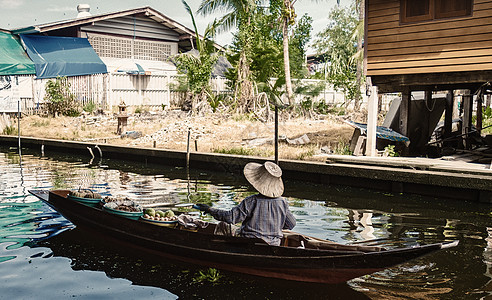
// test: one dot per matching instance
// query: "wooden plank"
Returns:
(382, 5)
(394, 27)
(431, 34)
(438, 55)
(432, 62)
(438, 81)
(422, 164)
(384, 12)
(385, 21)
(432, 69)
(472, 38)
(375, 54)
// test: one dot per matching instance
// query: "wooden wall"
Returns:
(446, 45)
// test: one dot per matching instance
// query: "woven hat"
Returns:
(266, 178)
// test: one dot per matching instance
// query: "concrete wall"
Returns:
(441, 184)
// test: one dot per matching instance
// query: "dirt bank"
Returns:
(225, 133)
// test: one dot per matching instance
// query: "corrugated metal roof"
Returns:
(148, 11)
(184, 32)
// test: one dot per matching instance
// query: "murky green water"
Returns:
(43, 256)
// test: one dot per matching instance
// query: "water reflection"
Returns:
(487, 259)
(364, 219)
(335, 213)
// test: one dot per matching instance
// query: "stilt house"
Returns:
(430, 45)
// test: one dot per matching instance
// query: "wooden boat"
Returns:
(319, 261)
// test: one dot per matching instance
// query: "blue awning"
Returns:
(62, 56)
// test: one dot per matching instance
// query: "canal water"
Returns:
(44, 256)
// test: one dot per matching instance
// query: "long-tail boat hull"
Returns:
(319, 261)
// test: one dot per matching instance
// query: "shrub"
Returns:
(10, 130)
(390, 151)
(60, 99)
(342, 148)
(243, 151)
(90, 107)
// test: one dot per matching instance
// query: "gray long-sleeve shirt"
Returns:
(261, 217)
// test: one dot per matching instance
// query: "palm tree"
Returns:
(198, 64)
(288, 16)
(238, 13)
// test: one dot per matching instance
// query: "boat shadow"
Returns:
(94, 252)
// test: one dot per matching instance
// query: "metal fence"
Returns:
(107, 91)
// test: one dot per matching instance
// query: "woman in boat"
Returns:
(263, 215)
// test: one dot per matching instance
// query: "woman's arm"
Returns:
(235, 215)
(290, 220)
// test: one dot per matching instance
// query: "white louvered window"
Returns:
(150, 50)
(117, 47)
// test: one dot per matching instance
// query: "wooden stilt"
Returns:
(467, 118)
(425, 126)
(479, 113)
(448, 114)
(372, 120)
(406, 97)
(404, 111)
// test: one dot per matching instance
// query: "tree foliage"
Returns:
(257, 53)
(239, 14)
(267, 48)
(198, 65)
(338, 42)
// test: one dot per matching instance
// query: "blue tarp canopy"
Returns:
(382, 132)
(62, 56)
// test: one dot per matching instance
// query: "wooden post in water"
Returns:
(276, 133)
(188, 150)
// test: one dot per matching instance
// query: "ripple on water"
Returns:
(33, 273)
(343, 217)
(417, 280)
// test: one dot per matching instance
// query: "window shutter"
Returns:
(453, 8)
(416, 10)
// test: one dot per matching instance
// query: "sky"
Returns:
(23, 13)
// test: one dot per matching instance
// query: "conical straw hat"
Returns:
(266, 178)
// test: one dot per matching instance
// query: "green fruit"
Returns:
(77, 194)
(150, 212)
(160, 213)
(169, 214)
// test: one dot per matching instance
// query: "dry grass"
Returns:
(213, 133)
